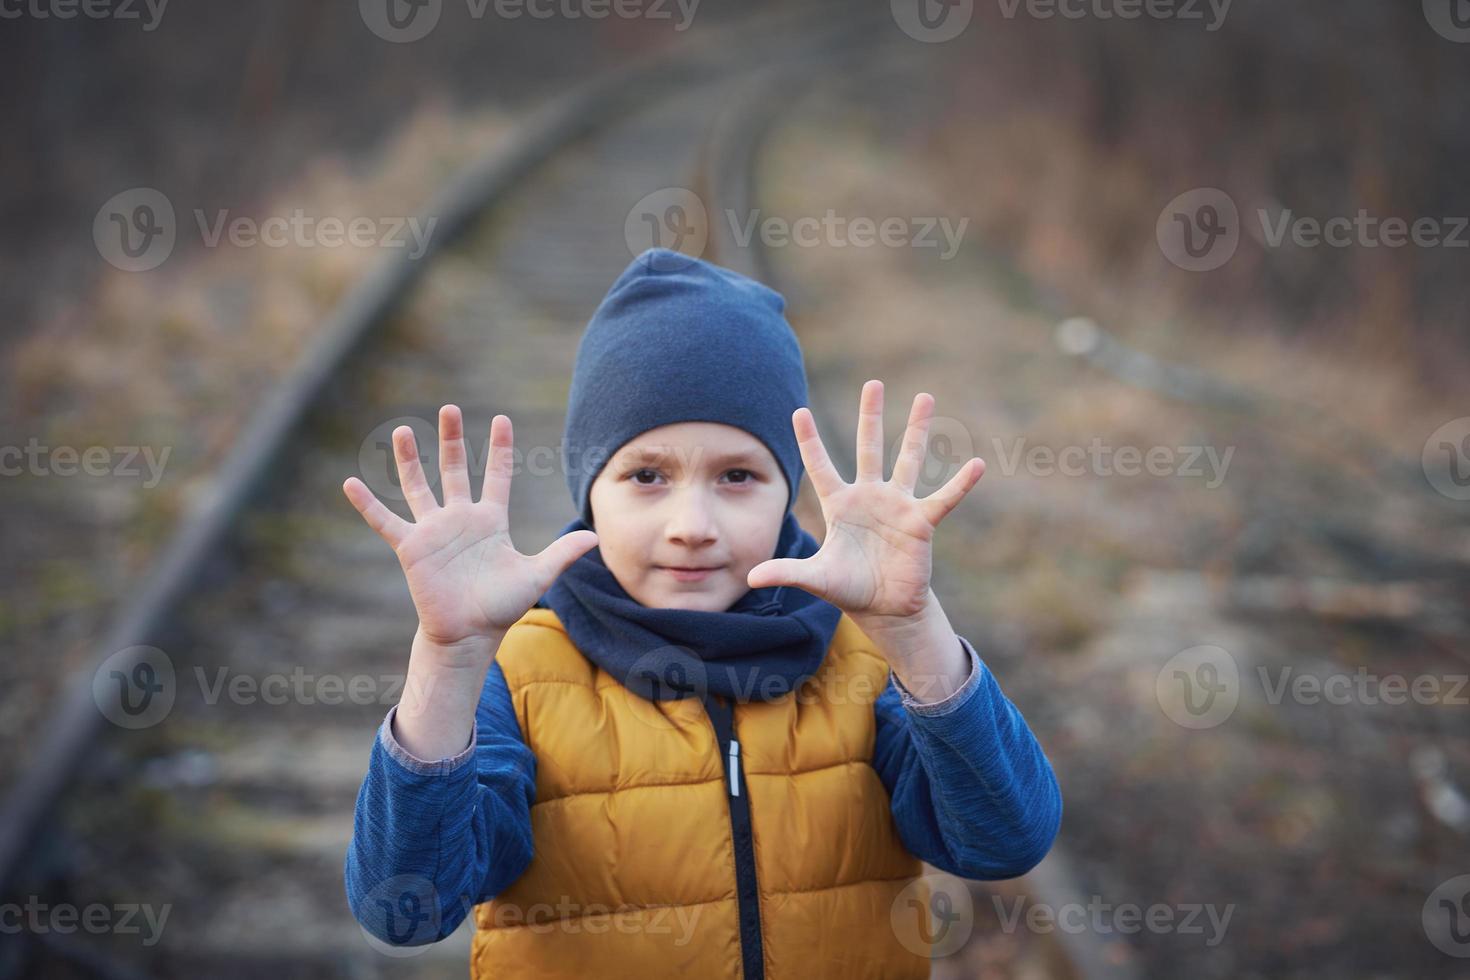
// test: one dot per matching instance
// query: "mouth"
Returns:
(690, 573)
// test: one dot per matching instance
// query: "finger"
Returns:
(870, 433)
(454, 474)
(390, 527)
(799, 572)
(825, 478)
(556, 557)
(938, 504)
(499, 462)
(910, 460)
(411, 474)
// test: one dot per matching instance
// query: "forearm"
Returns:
(923, 650)
(437, 711)
(458, 827)
(972, 791)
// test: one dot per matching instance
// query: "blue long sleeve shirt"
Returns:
(971, 791)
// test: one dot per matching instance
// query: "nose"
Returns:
(692, 520)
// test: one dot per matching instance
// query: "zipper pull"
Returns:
(734, 767)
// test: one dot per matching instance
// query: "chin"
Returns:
(702, 602)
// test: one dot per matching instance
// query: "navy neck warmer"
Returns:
(760, 648)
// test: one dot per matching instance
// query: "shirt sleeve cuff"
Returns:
(413, 763)
(954, 701)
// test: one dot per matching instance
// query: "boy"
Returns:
(686, 738)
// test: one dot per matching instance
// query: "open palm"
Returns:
(465, 575)
(876, 559)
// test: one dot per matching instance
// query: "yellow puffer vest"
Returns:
(634, 872)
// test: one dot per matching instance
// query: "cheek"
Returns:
(756, 531)
(627, 543)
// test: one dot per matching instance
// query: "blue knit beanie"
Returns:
(678, 339)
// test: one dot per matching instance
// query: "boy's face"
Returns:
(688, 495)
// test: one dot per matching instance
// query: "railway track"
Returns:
(280, 627)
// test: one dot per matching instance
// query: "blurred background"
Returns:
(1190, 276)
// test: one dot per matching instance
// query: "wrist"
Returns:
(897, 633)
(436, 711)
(462, 653)
(923, 650)
(445, 676)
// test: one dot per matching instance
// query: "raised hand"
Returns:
(876, 560)
(466, 578)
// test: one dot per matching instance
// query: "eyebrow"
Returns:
(642, 455)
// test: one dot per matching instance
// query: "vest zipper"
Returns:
(747, 891)
(734, 767)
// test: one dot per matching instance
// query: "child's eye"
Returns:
(745, 476)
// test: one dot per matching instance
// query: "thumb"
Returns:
(784, 571)
(556, 557)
